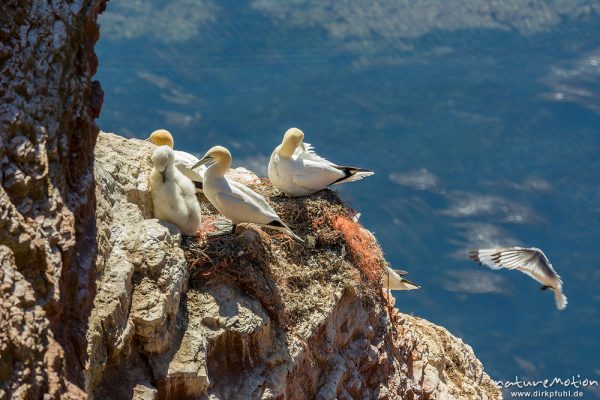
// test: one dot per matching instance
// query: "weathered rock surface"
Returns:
(48, 104)
(250, 315)
(246, 316)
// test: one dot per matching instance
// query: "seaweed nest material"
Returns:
(291, 280)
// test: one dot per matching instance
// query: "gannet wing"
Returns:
(315, 164)
(309, 153)
(241, 190)
(242, 208)
(244, 204)
(316, 175)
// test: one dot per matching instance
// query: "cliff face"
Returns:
(253, 315)
(48, 103)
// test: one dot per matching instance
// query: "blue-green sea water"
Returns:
(480, 118)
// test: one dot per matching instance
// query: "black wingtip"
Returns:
(198, 185)
(348, 172)
(411, 283)
(278, 224)
(474, 255)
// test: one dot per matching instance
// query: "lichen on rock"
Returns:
(255, 314)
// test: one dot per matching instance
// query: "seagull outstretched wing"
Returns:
(531, 261)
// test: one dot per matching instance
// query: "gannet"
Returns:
(531, 261)
(393, 280)
(234, 200)
(183, 161)
(173, 194)
(296, 170)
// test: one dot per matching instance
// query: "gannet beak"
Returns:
(147, 140)
(302, 145)
(163, 174)
(205, 160)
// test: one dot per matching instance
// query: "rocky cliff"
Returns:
(249, 315)
(253, 315)
(48, 103)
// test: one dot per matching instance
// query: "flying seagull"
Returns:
(530, 261)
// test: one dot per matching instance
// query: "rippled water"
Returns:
(481, 120)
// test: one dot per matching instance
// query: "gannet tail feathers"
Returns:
(281, 227)
(352, 174)
(561, 299)
(407, 285)
(393, 280)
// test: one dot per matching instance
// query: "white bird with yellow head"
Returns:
(234, 200)
(296, 170)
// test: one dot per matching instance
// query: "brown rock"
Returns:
(47, 225)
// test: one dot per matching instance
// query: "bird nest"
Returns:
(291, 279)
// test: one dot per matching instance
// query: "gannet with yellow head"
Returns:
(296, 170)
(234, 200)
(173, 194)
(183, 161)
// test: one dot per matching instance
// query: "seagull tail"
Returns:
(352, 174)
(561, 299)
(281, 227)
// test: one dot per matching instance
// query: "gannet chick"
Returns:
(393, 280)
(183, 161)
(296, 170)
(530, 261)
(234, 200)
(173, 194)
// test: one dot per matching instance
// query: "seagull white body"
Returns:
(531, 261)
(234, 200)
(393, 280)
(173, 194)
(296, 170)
(183, 161)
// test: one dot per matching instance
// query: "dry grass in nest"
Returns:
(291, 280)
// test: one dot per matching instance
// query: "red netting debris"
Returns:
(361, 245)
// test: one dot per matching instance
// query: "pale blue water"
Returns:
(481, 120)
